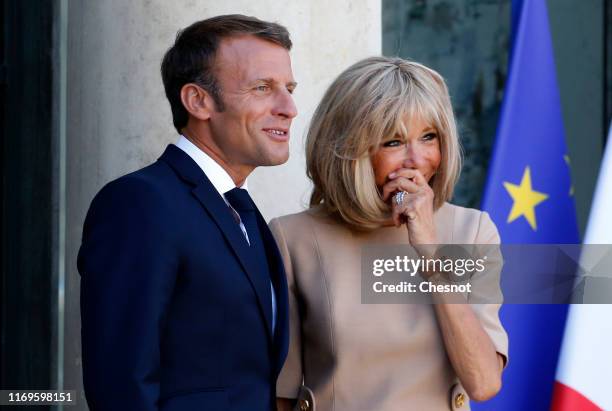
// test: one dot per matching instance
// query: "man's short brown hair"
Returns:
(191, 58)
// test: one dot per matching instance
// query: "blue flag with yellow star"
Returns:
(529, 196)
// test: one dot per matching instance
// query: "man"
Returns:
(183, 294)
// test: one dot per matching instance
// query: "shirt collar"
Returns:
(217, 175)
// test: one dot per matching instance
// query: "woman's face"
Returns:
(419, 150)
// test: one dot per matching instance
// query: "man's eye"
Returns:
(392, 143)
(262, 88)
(430, 136)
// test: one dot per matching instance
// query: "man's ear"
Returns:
(197, 101)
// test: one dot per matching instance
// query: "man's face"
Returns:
(256, 84)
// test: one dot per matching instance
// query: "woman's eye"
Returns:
(392, 143)
(430, 136)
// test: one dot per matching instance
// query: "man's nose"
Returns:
(285, 106)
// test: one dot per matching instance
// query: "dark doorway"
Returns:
(26, 287)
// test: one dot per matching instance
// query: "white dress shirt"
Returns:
(223, 183)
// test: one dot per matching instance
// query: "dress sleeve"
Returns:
(488, 314)
(290, 378)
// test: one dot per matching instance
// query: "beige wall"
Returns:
(118, 119)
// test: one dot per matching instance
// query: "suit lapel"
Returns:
(279, 280)
(218, 210)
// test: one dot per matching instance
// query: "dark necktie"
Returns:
(241, 201)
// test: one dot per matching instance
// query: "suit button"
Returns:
(459, 400)
(304, 405)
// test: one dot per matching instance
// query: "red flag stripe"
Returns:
(567, 399)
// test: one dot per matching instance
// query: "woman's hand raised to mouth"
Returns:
(415, 207)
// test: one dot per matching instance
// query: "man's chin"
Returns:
(276, 159)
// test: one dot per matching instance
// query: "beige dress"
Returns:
(378, 357)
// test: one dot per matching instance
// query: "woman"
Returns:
(383, 155)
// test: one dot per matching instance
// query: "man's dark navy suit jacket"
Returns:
(175, 314)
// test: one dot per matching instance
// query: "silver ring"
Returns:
(399, 197)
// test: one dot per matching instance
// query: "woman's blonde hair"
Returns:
(368, 102)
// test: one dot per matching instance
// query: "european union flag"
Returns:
(529, 196)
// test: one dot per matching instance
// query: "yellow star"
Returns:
(525, 199)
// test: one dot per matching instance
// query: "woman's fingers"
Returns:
(399, 184)
(417, 194)
(404, 210)
(397, 214)
(410, 173)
